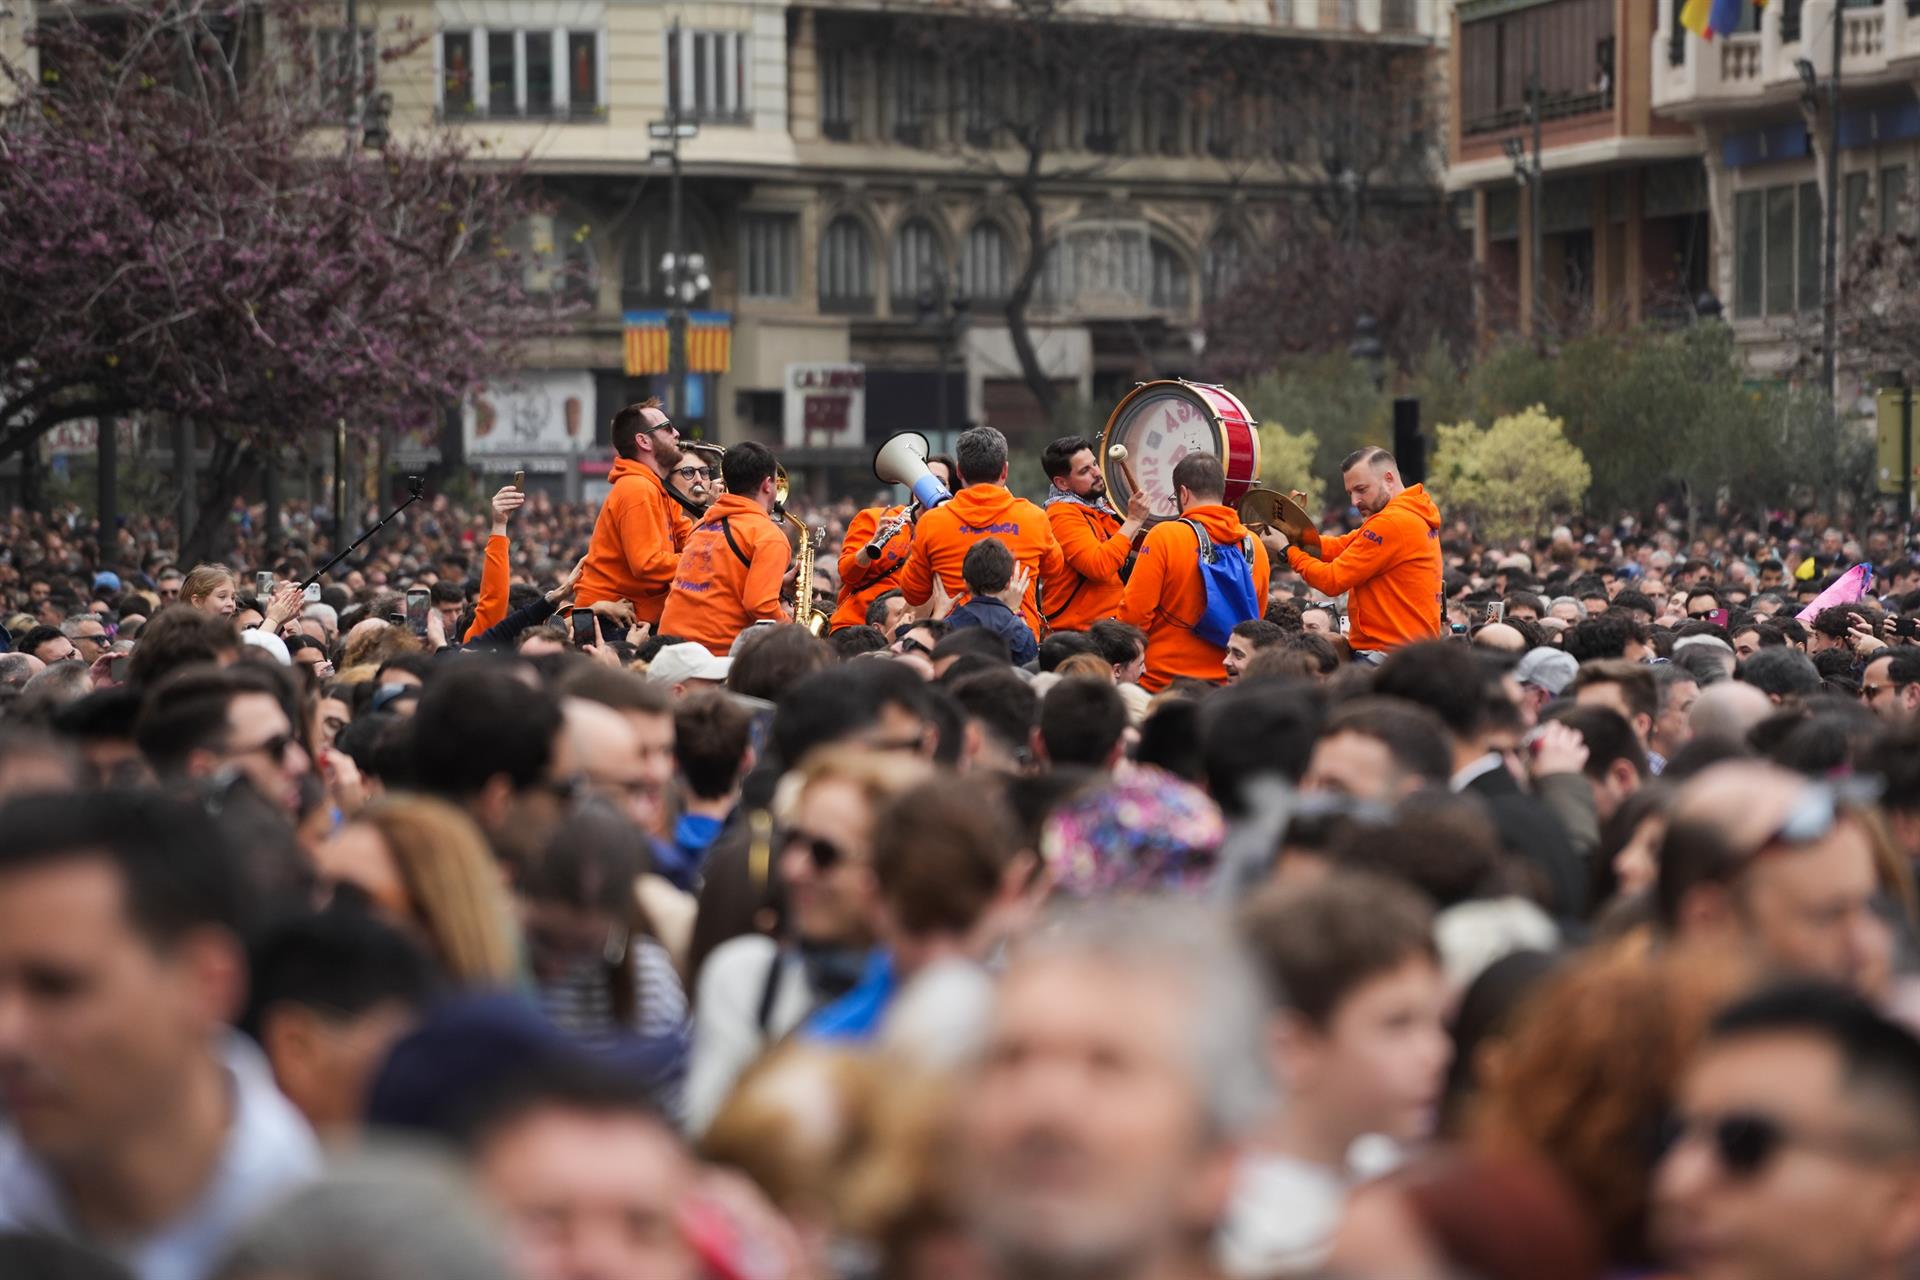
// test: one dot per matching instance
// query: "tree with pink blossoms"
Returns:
(182, 238)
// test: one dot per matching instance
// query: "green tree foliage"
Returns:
(1287, 463)
(1334, 399)
(1510, 478)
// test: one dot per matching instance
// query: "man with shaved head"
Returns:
(1726, 711)
(1769, 865)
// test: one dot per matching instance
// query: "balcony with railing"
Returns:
(1879, 45)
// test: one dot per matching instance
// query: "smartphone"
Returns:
(263, 585)
(520, 481)
(419, 601)
(1718, 617)
(1496, 611)
(313, 593)
(583, 627)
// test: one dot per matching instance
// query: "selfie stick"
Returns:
(415, 484)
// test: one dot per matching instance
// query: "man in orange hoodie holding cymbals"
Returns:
(731, 571)
(983, 509)
(1389, 568)
(1168, 595)
(637, 539)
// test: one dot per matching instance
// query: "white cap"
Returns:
(272, 643)
(688, 660)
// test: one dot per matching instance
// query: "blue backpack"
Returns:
(1227, 574)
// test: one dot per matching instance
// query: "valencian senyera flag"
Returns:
(1709, 18)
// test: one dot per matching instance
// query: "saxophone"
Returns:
(808, 539)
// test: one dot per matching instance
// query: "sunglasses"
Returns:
(907, 644)
(1745, 1143)
(824, 853)
(273, 748)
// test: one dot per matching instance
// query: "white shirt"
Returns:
(1281, 1219)
(1479, 768)
(727, 1035)
(269, 1151)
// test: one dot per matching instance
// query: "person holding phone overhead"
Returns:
(641, 530)
(731, 571)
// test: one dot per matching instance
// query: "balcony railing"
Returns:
(1556, 107)
(1874, 41)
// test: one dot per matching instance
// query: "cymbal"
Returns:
(1263, 509)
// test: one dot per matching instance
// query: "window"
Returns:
(707, 74)
(557, 255)
(912, 100)
(986, 263)
(836, 93)
(1893, 199)
(846, 268)
(1776, 250)
(767, 242)
(918, 265)
(529, 74)
(1749, 252)
(1858, 188)
(1226, 260)
(333, 59)
(456, 73)
(1160, 123)
(973, 104)
(1172, 282)
(1106, 118)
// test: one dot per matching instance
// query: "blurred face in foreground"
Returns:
(587, 1196)
(1784, 1171)
(1085, 1149)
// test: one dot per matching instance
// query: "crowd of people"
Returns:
(1046, 889)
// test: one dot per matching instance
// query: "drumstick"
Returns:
(1119, 454)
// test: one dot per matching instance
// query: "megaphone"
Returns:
(903, 460)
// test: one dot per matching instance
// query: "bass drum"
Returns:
(1161, 423)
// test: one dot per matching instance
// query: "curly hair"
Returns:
(1589, 1071)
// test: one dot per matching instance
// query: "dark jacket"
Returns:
(993, 615)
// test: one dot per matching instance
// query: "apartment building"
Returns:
(1622, 193)
(1764, 140)
(856, 210)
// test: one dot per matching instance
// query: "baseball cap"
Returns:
(273, 644)
(111, 581)
(688, 660)
(1549, 669)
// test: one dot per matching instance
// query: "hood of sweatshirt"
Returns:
(734, 504)
(1221, 523)
(1413, 501)
(624, 467)
(986, 506)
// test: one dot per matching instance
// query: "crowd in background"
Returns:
(337, 942)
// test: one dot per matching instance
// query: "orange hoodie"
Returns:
(1389, 570)
(946, 533)
(862, 583)
(717, 594)
(636, 543)
(1090, 539)
(1165, 596)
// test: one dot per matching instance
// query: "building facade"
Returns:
(1764, 141)
(1622, 195)
(857, 208)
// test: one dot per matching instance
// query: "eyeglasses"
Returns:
(824, 853)
(1744, 1142)
(694, 473)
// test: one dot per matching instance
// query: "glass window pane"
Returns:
(1780, 205)
(456, 72)
(1811, 239)
(583, 72)
(539, 72)
(500, 60)
(1859, 189)
(1749, 252)
(1893, 198)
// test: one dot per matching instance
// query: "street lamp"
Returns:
(948, 314)
(1707, 306)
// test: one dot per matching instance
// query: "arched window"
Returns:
(917, 265)
(1172, 282)
(1226, 263)
(846, 267)
(986, 263)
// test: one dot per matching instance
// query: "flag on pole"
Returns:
(1709, 18)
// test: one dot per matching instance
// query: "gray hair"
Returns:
(393, 1216)
(71, 624)
(324, 613)
(982, 455)
(1231, 1001)
(15, 670)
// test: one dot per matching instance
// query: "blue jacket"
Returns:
(994, 616)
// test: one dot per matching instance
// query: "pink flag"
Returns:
(1853, 585)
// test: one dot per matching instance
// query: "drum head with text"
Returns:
(1159, 424)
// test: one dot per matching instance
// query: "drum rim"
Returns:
(1221, 450)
